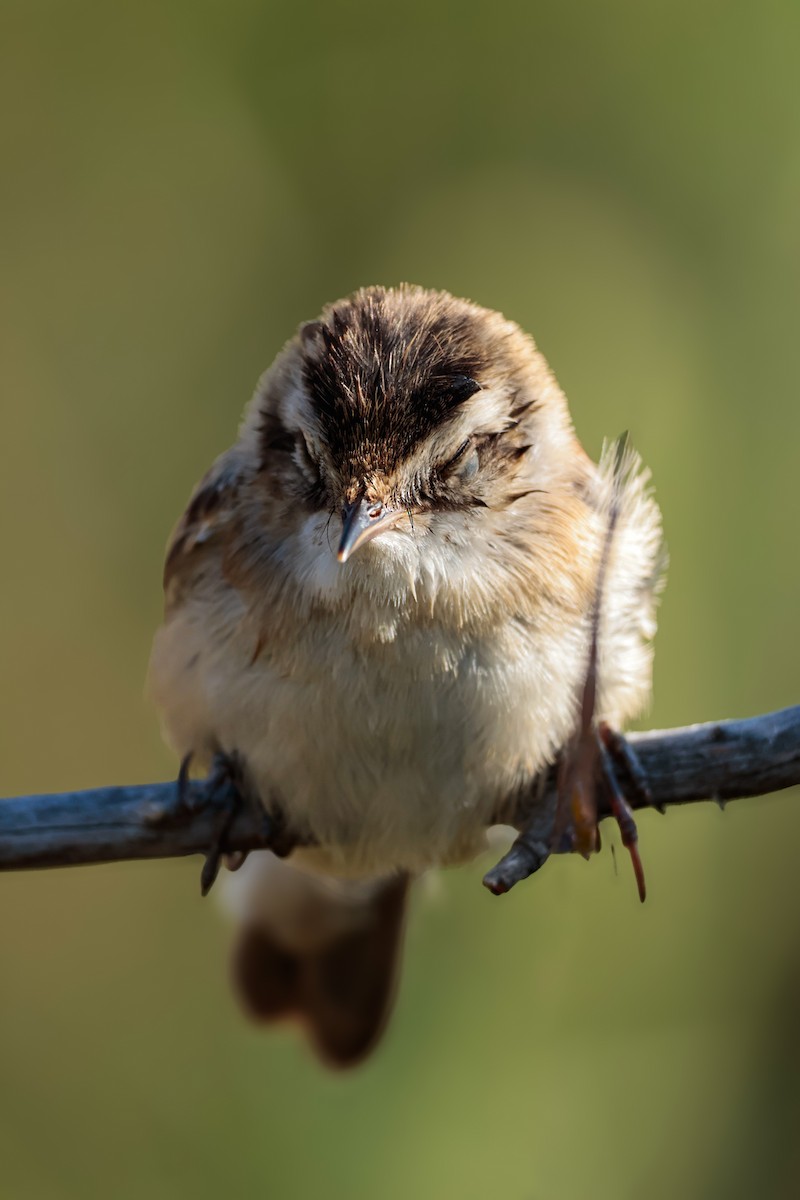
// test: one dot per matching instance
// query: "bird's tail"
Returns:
(320, 950)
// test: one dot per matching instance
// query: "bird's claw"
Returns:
(225, 790)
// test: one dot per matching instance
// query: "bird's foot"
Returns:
(224, 792)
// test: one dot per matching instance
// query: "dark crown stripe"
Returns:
(385, 375)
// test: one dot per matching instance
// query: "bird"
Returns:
(379, 605)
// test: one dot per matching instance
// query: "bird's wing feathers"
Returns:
(206, 525)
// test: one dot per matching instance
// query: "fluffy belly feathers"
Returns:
(392, 759)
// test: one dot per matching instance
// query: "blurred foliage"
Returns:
(182, 184)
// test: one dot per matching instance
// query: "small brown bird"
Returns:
(379, 603)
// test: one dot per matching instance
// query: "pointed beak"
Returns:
(361, 522)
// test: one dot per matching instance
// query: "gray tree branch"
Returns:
(721, 761)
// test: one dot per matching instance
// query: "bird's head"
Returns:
(404, 412)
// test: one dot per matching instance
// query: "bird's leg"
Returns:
(225, 791)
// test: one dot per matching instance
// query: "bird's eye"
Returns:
(464, 462)
(461, 387)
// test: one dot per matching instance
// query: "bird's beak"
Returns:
(361, 522)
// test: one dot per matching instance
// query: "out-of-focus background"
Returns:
(182, 184)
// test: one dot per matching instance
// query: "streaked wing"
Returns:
(205, 527)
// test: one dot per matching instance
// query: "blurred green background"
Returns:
(182, 184)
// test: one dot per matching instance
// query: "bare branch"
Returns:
(720, 761)
(111, 824)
